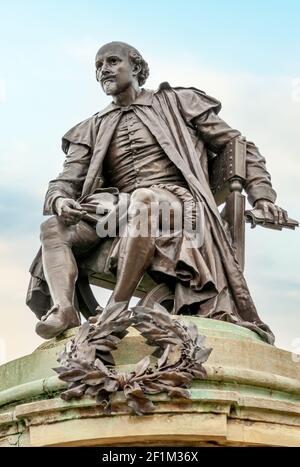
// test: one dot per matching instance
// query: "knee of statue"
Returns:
(49, 228)
(142, 195)
(140, 200)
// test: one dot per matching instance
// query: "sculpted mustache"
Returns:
(105, 78)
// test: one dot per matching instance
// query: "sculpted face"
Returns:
(114, 69)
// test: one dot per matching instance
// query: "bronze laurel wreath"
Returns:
(180, 353)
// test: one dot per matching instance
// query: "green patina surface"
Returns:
(236, 350)
(39, 364)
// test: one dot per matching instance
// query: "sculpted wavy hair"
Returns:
(136, 59)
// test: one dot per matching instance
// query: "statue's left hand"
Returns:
(280, 216)
(69, 210)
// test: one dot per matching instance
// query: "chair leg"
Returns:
(88, 305)
(86, 299)
(160, 294)
(234, 214)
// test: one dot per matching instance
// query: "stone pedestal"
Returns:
(251, 397)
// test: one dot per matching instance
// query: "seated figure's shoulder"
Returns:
(82, 133)
(191, 101)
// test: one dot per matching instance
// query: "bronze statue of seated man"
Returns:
(152, 146)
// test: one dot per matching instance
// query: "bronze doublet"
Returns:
(135, 159)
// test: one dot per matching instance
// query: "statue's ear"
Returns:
(136, 68)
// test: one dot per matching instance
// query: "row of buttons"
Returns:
(130, 123)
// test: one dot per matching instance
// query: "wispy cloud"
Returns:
(296, 90)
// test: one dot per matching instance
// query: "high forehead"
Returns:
(114, 48)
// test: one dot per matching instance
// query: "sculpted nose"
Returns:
(105, 70)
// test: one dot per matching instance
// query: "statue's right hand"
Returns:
(69, 210)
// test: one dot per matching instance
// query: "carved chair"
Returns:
(227, 176)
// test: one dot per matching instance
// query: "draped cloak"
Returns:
(172, 115)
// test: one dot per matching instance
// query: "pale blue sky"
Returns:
(253, 36)
(244, 53)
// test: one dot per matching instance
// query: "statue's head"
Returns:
(119, 66)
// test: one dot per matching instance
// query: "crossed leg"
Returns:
(60, 269)
(59, 242)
